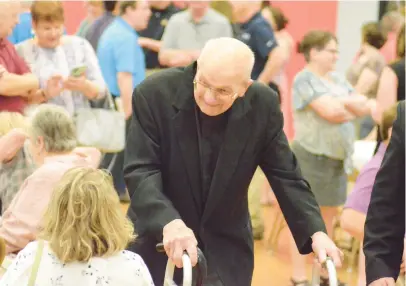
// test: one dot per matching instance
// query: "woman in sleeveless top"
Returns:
(278, 21)
(391, 88)
(364, 73)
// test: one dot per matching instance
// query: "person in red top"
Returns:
(18, 86)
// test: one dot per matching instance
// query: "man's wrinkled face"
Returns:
(216, 91)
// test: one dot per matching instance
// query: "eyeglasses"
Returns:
(219, 93)
(332, 51)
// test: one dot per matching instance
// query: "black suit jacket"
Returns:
(385, 222)
(162, 173)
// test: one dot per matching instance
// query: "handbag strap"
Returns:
(37, 262)
(110, 100)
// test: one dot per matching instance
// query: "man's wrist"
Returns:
(317, 234)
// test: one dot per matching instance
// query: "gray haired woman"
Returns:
(52, 145)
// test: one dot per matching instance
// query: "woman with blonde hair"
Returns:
(51, 137)
(83, 239)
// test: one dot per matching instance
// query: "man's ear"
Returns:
(246, 87)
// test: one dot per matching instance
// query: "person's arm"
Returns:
(387, 93)
(353, 222)
(267, 47)
(177, 58)
(385, 222)
(125, 85)
(150, 44)
(274, 64)
(142, 172)
(293, 193)
(95, 85)
(170, 55)
(324, 105)
(17, 85)
(126, 62)
(19, 226)
(353, 216)
(357, 104)
(366, 81)
(10, 144)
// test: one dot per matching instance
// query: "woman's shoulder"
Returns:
(73, 41)
(131, 257)
(303, 75)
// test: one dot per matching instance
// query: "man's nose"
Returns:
(209, 97)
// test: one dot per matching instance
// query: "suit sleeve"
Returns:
(151, 209)
(385, 222)
(293, 193)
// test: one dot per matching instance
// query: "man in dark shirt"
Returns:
(151, 37)
(97, 28)
(255, 31)
(196, 136)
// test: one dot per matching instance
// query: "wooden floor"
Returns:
(275, 269)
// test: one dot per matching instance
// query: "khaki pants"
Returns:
(254, 203)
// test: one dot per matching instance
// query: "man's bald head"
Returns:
(9, 11)
(227, 56)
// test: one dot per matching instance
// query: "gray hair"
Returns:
(54, 124)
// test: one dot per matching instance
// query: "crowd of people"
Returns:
(207, 106)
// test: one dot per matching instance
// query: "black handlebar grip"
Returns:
(201, 263)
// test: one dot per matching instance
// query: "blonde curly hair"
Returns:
(10, 121)
(84, 218)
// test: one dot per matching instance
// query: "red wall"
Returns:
(75, 12)
(304, 16)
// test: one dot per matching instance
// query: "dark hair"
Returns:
(280, 19)
(126, 4)
(388, 117)
(315, 39)
(109, 6)
(400, 46)
(373, 34)
(48, 11)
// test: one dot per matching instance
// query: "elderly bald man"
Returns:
(196, 138)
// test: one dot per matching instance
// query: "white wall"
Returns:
(352, 14)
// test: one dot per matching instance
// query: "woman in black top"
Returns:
(391, 87)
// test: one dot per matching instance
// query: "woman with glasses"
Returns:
(69, 60)
(325, 105)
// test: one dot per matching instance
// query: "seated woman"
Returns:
(16, 163)
(84, 236)
(52, 144)
(356, 206)
(69, 60)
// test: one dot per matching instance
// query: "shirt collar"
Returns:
(204, 20)
(250, 21)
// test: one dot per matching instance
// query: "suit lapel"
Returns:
(186, 133)
(234, 143)
(184, 122)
